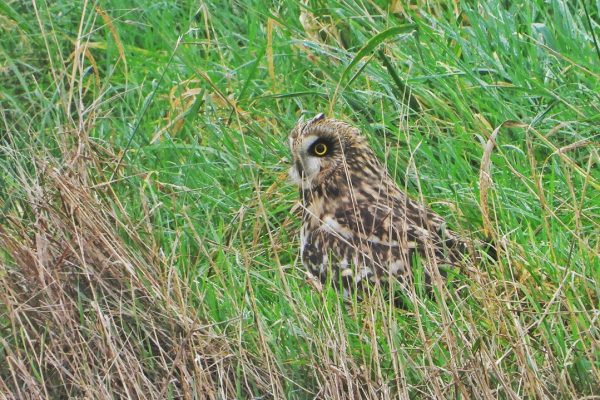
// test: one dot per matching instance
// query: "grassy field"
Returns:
(148, 238)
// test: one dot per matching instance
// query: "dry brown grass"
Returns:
(87, 317)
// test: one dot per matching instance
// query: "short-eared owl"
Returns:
(357, 224)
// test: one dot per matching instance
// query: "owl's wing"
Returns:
(398, 224)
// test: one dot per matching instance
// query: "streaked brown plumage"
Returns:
(356, 221)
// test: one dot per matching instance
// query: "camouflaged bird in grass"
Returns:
(357, 224)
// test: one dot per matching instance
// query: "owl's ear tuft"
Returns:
(318, 117)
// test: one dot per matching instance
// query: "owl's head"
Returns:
(321, 148)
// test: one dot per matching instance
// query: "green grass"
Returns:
(162, 128)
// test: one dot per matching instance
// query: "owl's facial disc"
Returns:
(311, 158)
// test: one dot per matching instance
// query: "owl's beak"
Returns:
(299, 169)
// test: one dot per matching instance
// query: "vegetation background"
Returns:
(148, 233)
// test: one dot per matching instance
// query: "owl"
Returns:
(357, 225)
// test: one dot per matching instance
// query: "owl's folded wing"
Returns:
(401, 229)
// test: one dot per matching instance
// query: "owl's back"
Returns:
(366, 227)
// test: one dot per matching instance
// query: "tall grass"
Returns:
(148, 232)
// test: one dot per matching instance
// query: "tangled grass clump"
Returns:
(94, 319)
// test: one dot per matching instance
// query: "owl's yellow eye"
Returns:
(320, 149)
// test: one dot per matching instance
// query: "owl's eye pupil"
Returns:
(320, 149)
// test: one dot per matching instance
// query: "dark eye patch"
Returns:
(321, 147)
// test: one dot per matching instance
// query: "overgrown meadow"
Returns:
(148, 233)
